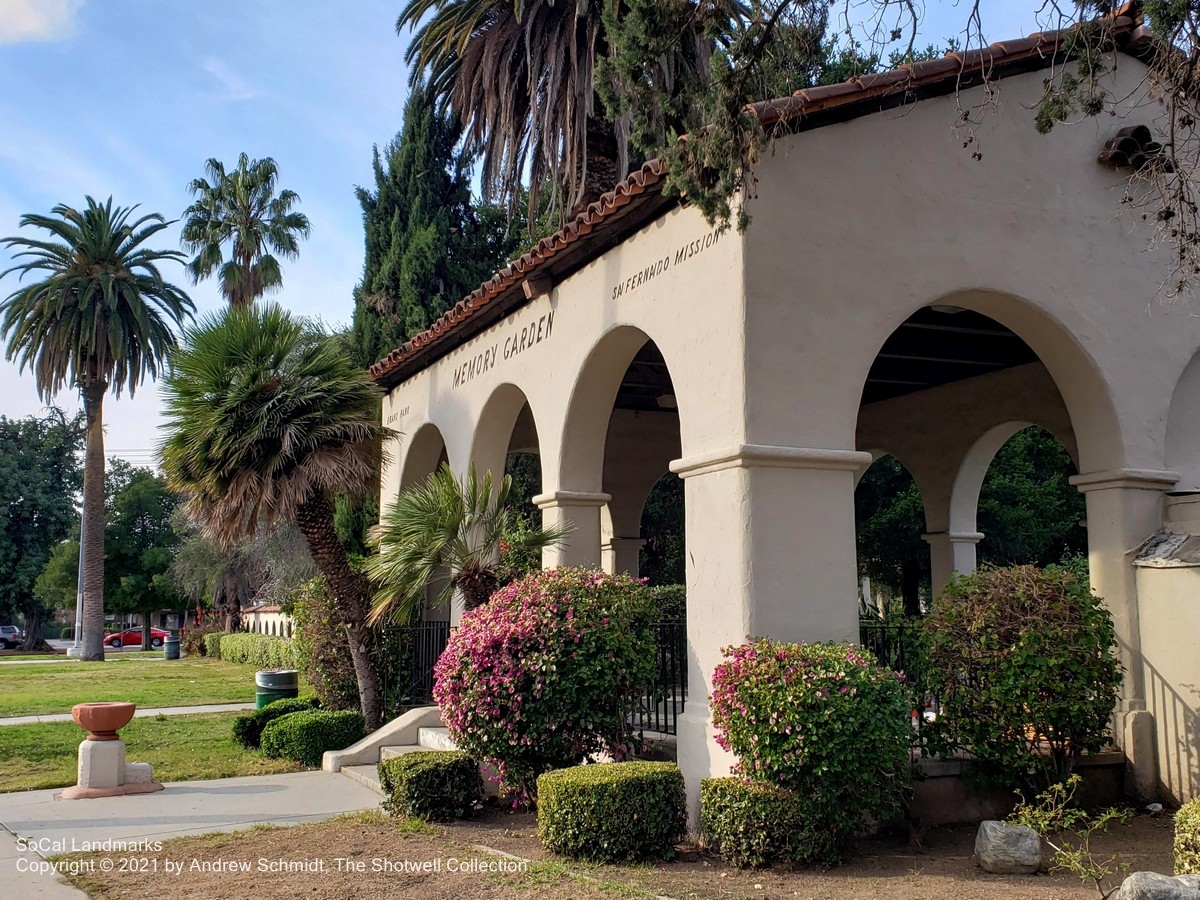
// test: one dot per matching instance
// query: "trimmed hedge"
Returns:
(305, 736)
(212, 644)
(749, 823)
(261, 650)
(431, 784)
(612, 811)
(1187, 839)
(248, 728)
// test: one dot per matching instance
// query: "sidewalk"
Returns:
(139, 714)
(182, 808)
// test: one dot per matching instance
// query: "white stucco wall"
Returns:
(769, 337)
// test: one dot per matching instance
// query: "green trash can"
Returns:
(276, 684)
(171, 647)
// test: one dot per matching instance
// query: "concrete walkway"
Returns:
(182, 808)
(139, 714)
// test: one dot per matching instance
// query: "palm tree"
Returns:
(445, 524)
(242, 209)
(267, 420)
(520, 76)
(101, 317)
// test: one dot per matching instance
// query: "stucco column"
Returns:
(621, 554)
(770, 552)
(950, 552)
(1124, 507)
(580, 511)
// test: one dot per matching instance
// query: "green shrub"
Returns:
(612, 811)
(547, 673)
(67, 633)
(824, 721)
(670, 602)
(191, 637)
(749, 823)
(323, 650)
(248, 728)
(305, 736)
(1022, 659)
(212, 645)
(1187, 839)
(260, 650)
(431, 784)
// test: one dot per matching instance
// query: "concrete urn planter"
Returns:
(102, 720)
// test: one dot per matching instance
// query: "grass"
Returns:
(180, 748)
(58, 684)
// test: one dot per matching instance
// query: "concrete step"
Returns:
(364, 775)
(393, 752)
(435, 739)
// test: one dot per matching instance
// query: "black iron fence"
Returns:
(894, 645)
(404, 658)
(664, 699)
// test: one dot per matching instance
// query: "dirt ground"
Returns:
(370, 856)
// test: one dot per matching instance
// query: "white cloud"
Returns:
(36, 20)
(234, 86)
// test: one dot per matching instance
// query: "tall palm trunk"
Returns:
(93, 523)
(599, 171)
(351, 593)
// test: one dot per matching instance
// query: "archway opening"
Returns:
(1028, 511)
(641, 440)
(893, 558)
(662, 560)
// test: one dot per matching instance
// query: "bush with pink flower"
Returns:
(550, 671)
(822, 721)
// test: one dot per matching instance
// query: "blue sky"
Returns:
(130, 97)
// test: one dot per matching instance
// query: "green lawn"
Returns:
(58, 684)
(179, 748)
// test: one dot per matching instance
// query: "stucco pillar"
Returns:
(580, 511)
(621, 554)
(950, 552)
(1124, 507)
(770, 552)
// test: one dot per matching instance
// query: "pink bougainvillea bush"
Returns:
(550, 671)
(823, 721)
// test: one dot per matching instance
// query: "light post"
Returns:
(77, 648)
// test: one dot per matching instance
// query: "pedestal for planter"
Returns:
(103, 771)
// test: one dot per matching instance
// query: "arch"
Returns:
(506, 417)
(589, 409)
(1183, 429)
(426, 451)
(964, 493)
(1075, 373)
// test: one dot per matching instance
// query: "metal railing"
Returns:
(664, 699)
(404, 658)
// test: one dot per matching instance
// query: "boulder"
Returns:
(1152, 886)
(1008, 849)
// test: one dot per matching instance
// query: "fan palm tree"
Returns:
(242, 209)
(101, 316)
(445, 524)
(520, 76)
(267, 420)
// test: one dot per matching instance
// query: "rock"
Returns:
(1152, 886)
(1008, 849)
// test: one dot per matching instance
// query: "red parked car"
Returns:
(132, 637)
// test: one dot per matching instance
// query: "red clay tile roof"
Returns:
(639, 199)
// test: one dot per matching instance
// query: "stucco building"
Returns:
(894, 293)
